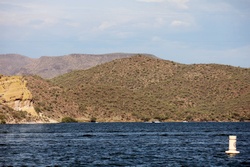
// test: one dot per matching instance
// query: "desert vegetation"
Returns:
(8, 115)
(144, 88)
(68, 120)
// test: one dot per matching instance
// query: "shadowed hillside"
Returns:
(10, 64)
(144, 88)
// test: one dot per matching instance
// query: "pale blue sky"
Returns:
(185, 31)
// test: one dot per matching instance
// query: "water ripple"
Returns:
(123, 144)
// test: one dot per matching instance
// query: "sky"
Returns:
(184, 31)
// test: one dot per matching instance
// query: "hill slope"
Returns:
(139, 88)
(49, 67)
(144, 88)
(50, 100)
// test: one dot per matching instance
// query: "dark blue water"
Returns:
(123, 144)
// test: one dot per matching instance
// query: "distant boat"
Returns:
(184, 121)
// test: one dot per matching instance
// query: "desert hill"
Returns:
(143, 88)
(49, 67)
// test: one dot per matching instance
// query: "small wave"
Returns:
(3, 132)
(122, 135)
(178, 134)
(88, 135)
(113, 131)
(221, 134)
(245, 163)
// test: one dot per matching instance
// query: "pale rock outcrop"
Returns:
(15, 94)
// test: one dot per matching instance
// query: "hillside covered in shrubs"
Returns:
(144, 88)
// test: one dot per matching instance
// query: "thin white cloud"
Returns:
(106, 25)
(28, 14)
(212, 7)
(156, 39)
(179, 23)
(182, 4)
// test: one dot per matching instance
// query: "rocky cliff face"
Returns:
(15, 94)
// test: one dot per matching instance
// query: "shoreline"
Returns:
(37, 123)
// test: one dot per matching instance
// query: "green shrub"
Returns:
(37, 109)
(145, 119)
(2, 121)
(2, 117)
(93, 119)
(19, 114)
(68, 120)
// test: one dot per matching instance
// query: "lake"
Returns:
(123, 144)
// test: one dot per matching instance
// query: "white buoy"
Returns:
(232, 146)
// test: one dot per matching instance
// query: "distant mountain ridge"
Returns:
(52, 66)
